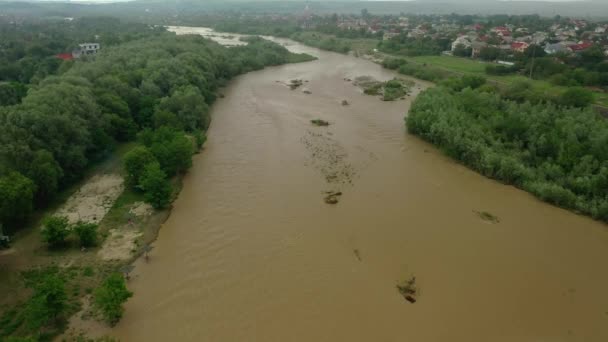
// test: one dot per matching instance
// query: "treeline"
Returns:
(28, 50)
(521, 91)
(406, 46)
(558, 153)
(67, 122)
(587, 68)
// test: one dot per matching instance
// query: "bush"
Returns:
(576, 97)
(87, 233)
(110, 296)
(135, 162)
(47, 303)
(55, 231)
(557, 153)
(156, 187)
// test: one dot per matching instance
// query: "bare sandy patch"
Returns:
(119, 245)
(141, 209)
(94, 199)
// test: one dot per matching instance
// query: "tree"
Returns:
(489, 53)
(110, 296)
(55, 231)
(462, 51)
(135, 162)
(576, 97)
(16, 198)
(46, 173)
(87, 233)
(48, 302)
(156, 186)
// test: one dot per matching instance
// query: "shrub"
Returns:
(110, 296)
(55, 231)
(87, 233)
(156, 187)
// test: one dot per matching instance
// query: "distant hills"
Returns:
(589, 9)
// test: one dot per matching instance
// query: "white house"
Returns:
(86, 49)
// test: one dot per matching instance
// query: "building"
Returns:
(86, 49)
(476, 48)
(552, 49)
(519, 46)
(462, 40)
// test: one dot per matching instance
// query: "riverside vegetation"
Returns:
(549, 148)
(156, 91)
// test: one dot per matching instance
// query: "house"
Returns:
(390, 34)
(552, 49)
(462, 40)
(519, 46)
(477, 47)
(86, 49)
(581, 46)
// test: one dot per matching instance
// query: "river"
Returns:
(251, 251)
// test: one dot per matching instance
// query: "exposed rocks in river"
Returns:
(332, 197)
(357, 254)
(486, 216)
(294, 84)
(319, 122)
(345, 103)
(408, 290)
(306, 91)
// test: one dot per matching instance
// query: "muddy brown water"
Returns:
(252, 253)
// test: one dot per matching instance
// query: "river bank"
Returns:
(253, 252)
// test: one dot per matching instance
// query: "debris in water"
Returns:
(486, 216)
(344, 103)
(357, 254)
(319, 122)
(332, 197)
(408, 290)
(294, 84)
(306, 91)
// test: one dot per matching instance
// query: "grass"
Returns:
(474, 67)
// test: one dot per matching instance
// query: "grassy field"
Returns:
(473, 67)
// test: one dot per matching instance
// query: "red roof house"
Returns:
(519, 46)
(65, 56)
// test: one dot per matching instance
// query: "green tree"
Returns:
(156, 186)
(55, 231)
(46, 174)
(576, 97)
(110, 296)
(47, 303)
(87, 233)
(16, 198)
(135, 162)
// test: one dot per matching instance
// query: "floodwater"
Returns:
(251, 251)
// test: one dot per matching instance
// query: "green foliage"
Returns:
(560, 154)
(110, 296)
(48, 302)
(156, 186)
(406, 46)
(576, 97)
(55, 231)
(134, 163)
(16, 196)
(70, 120)
(87, 233)
(199, 138)
(170, 147)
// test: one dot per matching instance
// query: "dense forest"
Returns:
(28, 49)
(558, 153)
(68, 121)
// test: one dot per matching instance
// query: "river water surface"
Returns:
(252, 253)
